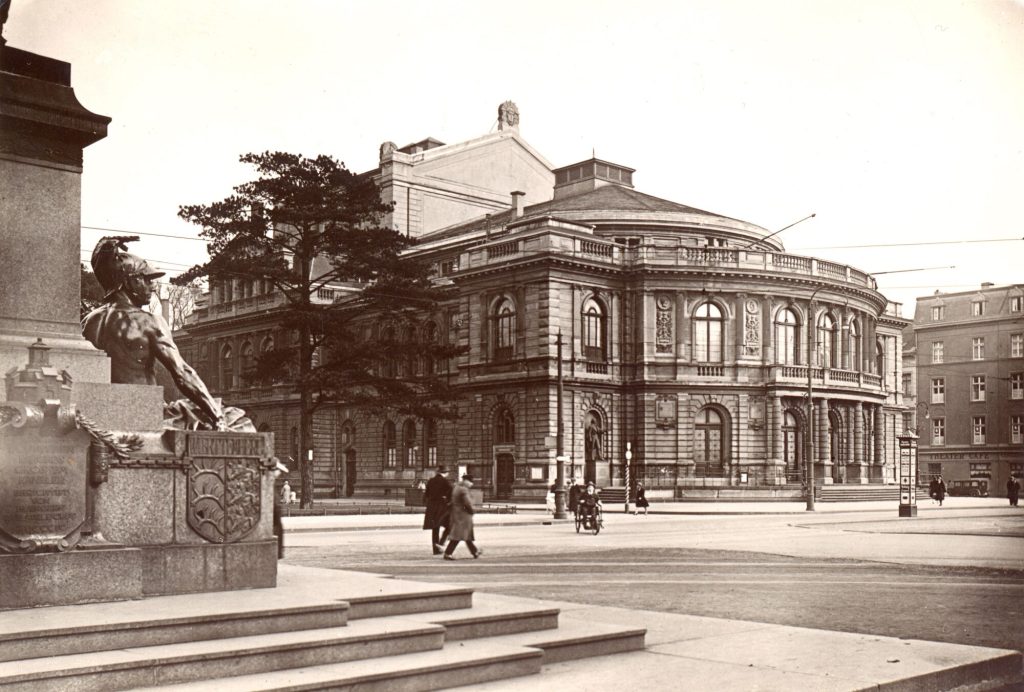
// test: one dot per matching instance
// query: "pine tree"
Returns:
(309, 225)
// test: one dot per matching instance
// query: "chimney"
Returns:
(517, 203)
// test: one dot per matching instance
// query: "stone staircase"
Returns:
(613, 495)
(319, 629)
(848, 492)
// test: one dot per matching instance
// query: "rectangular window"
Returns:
(1016, 303)
(977, 387)
(978, 348)
(392, 458)
(1016, 436)
(938, 431)
(938, 390)
(907, 386)
(1016, 345)
(978, 425)
(981, 470)
(937, 351)
(938, 312)
(1017, 385)
(908, 420)
(978, 308)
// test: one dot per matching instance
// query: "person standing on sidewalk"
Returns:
(279, 469)
(436, 498)
(940, 489)
(641, 499)
(462, 519)
(1013, 490)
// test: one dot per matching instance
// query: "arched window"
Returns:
(708, 328)
(594, 332)
(855, 346)
(409, 442)
(504, 320)
(387, 338)
(880, 359)
(248, 359)
(827, 341)
(430, 336)
(227, 368)
(791, 447)
(504, 428)
(390, 442)
(709, 437)
(430, 433)
(787, 337)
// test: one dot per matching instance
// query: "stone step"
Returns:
(491, 617)
(455, 664)
(577, 639)
(858, 493)
(203, 661)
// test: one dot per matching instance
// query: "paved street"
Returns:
(952, 574)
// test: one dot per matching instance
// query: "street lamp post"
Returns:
(809, 464)
(559, 444)
(629, 455)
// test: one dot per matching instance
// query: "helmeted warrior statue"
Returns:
(135, 339)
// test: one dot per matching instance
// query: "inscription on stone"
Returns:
(42, 494)
(225, 445)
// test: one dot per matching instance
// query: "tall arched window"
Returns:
(227, 368)
(390, 443)
(708, 329)
(248, 359)
(430, 336)
(409, 442)
(709, 452)
(787, 337)
(827, 341)
(504, 428)
(504, 319)
(855, 346)
(880, 359)
(791, 454)
(594, 333)
(387, 338)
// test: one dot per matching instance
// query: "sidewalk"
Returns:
(532, 513)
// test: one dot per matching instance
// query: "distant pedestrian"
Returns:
(940, 490)
(1013, 490)
(933, 489)
(436, 497)
(462, 519)
(286, 490)
(641, 499)
(549, 499)
(575, 490)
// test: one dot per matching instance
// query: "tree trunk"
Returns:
(305, 407)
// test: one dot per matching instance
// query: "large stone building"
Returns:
(689, 338)
(970, 386)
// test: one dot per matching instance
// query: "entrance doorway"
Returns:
(506, 476)
(350, 472)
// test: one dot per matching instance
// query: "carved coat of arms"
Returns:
(223, 498)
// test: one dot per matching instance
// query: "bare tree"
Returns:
(181, 301)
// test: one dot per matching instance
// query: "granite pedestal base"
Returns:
(177, 569)
(77, 576)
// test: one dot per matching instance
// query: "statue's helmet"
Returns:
(113, 266)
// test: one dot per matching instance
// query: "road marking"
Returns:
(484, 579)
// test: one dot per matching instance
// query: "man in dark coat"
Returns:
(436, 497)
(462, 519)
(1013, 490)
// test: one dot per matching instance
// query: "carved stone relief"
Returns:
(664, 325)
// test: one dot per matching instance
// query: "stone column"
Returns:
(824, 470)
(858, 434)
(853, 468)
(878, 467)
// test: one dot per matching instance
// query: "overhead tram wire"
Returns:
(155, 235)
(932, 242)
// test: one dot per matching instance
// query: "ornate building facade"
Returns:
(690, 338)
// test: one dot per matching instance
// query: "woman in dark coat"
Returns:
(940, 490)
(641, 498)
(436, 498)
(462, 519)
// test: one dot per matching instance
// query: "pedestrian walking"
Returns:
(933, 489)
(940, 490)
(462, 519)
(436, 498)
(1013, 490)
(641, 499)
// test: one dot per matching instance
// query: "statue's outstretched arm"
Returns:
(186, 379)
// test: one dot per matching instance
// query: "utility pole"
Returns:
(559, 443)
(809, 463)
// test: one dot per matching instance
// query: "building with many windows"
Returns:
(692, 339)
(970, 386)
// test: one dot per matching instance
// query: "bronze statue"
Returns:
(135, 339)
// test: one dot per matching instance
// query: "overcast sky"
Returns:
(895, 121)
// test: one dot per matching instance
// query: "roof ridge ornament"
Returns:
(508, 116)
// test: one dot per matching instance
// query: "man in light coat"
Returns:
(462, 519)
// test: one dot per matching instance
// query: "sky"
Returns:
(898, 123)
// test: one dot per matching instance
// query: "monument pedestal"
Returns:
(77, 576)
